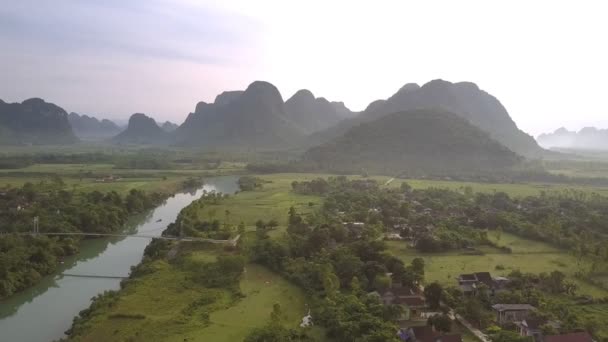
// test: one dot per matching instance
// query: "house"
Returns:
(531, 327)
(511, 313)
(469, 283)
(412, 302)
(412, 306)
(572, 337)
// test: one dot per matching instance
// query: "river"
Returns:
(45, 311)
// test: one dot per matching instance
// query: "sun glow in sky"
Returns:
(545, 60)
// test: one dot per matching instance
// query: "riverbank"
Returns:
(167, 302)
(56, 300)
(156, 304)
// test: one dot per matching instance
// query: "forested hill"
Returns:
(142, 130)
(312, 114)
(417, 142)
(250, 119)
(464, 99)
(36, 122)
(90, 128)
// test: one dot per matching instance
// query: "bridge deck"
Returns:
(172, 238)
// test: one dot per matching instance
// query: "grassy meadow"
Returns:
(152, 307)
(271, 202)
(85, 177)
(527, 256)
(513, 189)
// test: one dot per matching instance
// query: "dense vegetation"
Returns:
(25, 259)
(337, 266)
(144, 159)
(439, 220)
(190, 223)
(250, 183)
(337, 255)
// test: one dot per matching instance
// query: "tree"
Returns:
(276, 316)
(405, 187)
(473, 310)
(260, 229)
(382, 282)
(510, 336)
(441, 323)
(433, 294)
(272, 224)
(418, 268)
(227, 215)
(355, 286)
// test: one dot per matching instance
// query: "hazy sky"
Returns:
(547, 61)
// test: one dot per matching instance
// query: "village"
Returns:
(419, 226)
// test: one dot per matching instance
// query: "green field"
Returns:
(513, 189)
(271, 202)
(150, 309)
(85, 177)
(527, 256)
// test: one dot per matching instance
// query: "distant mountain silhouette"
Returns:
(227, 97)
(312, 114)
(464, 99)
(588, 138)
(254, 118)
(90, 128)
(415, 142)
(168, 126)
(34, 121)
(142, 130)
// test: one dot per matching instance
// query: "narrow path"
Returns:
(480, 335)
(454, 316)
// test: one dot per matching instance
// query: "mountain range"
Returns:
(311, 114)
(90, 128)
(142, 130)
(35, 122)
(415, 142)
(588, 138)
(258, 118)
(464, 99)
(254, 118)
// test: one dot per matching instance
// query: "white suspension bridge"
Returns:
(36, 232)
